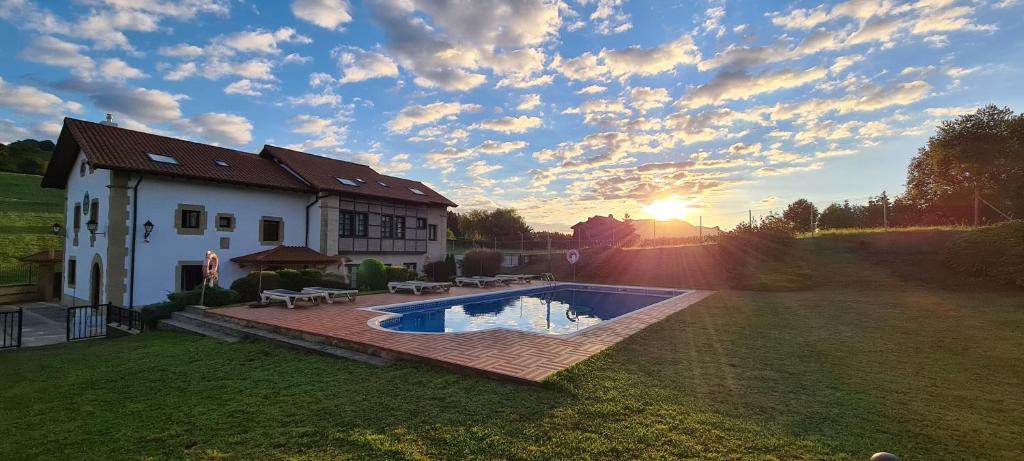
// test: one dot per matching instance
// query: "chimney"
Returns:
(109, 121)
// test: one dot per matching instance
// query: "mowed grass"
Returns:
(868, 360)
(27, 214)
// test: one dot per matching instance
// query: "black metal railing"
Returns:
(124, 317)
(16, 274)
(87, 322)
(10, 328)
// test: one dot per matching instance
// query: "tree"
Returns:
(502, 224)
(801, 214)
(983, 152)
(876, 212)
(844, 216)
(453, 224)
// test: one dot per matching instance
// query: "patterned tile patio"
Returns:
(506, 354)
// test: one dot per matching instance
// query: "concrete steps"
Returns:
(195, 320)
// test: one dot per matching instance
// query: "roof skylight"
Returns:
(383, 184)
(220, 163)
(347, 182)
(417, 191)
(360, 180)
(163, 159)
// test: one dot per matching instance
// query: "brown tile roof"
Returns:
(322, 174)
(286, 255)
(125, 150)
(44, 257)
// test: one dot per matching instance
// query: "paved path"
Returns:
(43, 323)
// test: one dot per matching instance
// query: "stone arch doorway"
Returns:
(95, 283)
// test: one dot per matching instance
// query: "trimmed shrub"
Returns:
(292, 279)
(248, 287)
(437, 271)
(453, 269)
(995, 252)
(481, 262)
(215, 296)
(154, 313)
(400, 274)
(372, 275)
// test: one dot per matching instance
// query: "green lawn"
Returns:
(27, 214)
(872, 359)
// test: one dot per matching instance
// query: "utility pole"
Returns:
(549, 253)
(700, 228)
(750, 218)
(885, 213)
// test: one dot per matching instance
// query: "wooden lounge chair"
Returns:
(333, 293)
(419, 287)
(291, 297)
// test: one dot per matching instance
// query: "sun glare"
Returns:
(666, 209)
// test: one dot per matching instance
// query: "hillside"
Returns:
(27, 156)
(27, 214)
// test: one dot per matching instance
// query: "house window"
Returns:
(190, 219)
(400, 227)
(78, 216)
(81, 169)
(432, 232)
(191, 276)
(361, 224)
(421, 223)
(271, 230)
(410, 266)
(347, 224)
(387, 226)
(94, 211)
(225, 222)
(72, 270)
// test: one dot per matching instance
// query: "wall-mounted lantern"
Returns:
(148, 228)
(92, 226)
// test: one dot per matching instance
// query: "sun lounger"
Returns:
(419, 287)
(291, 297)
(333, 293)
(479, 282)
(514, 278)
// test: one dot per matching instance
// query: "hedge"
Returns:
(290, 279)
(437, 271)
(372, 275)
(995, 252)
(481, 262)
(400, 274)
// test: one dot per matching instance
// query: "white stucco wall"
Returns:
(157, 260)
(96, 183)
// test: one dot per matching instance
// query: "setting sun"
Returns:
(666, 209)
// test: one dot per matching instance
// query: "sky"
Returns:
(560, 109)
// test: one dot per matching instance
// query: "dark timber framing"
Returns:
(412, 241)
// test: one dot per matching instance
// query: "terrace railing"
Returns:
(124, 317)
(10, 328)
(17, 274)
(85, 322)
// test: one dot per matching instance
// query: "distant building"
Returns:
(609, 230)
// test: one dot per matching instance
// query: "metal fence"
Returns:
(87, 322)
(17, 274)
(124, 317)
(10, 328)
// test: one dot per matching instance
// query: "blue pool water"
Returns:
(549, 310)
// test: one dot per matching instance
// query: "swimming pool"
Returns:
(554, 310)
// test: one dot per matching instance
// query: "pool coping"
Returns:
(375, 322)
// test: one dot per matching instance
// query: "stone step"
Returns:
(189, 327)
(201, 320)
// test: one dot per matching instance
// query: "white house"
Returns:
(142, 210)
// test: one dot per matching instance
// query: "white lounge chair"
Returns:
(419, 287)
(291, 297)
(514, 278)
(479, 282)
(333, 293)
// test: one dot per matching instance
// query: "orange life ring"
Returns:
(211, 266)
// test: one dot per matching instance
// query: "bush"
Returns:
(481, 262)
(154, 313)
(437, 271)
(372, 275)
(248, 287)
(995, 252)
(292, 279)
(214, 296)
(453, 269)
(400, 274)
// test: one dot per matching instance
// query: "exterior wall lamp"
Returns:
(92, 226)
(148, 229)
(57, 229)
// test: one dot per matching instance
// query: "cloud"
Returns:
(397, 164)
(358, 65)
(729, 86)
(56, 52)
(183, 50)
(140, 104)
(866, 99)
(781, 171)
(412, 116)
(529, 102)
(495, 147)
(256, 41)
(325, 98)
(326, 132)
(480, 168)
(609, 18)
(248, 87)
(645, 98)
(628, 62)
(508, 125)
(26, 99)
(329, 14)
(116, 70)
(181, 72)
(218, 128)
(593, 89)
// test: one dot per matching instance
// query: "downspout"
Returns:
(135, 226)
(314, 202)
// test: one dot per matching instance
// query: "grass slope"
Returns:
(27, 213)
(870, 359)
